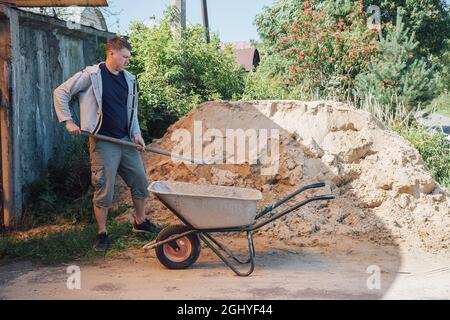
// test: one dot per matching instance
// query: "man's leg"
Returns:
(101, 214)
(139, 208)
(132, 171)
(105, 159)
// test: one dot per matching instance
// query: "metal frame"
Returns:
(205, 234)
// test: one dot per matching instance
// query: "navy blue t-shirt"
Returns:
(114, 100)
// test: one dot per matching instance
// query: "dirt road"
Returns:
(346, 270)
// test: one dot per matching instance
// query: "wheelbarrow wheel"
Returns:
(180, 253)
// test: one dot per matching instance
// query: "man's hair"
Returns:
(117, 43)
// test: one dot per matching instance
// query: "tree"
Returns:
(398, 75)
(429, 20)
(313, 48)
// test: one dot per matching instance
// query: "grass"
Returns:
(73, 243)
(434, 149)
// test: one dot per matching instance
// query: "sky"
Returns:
(231, 19)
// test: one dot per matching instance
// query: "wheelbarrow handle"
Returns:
(289, 210)
(137, 146)
(271, 207)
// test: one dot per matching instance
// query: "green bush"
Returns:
(177, 72)
(265, 84)
(434, 149)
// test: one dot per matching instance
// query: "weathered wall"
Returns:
(44, 52)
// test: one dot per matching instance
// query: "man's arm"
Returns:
(62, 96)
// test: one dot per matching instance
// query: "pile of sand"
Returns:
(384, 191)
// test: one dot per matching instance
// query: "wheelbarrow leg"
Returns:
(227, 261)
(229, 252)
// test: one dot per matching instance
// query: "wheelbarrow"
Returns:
(208, 209)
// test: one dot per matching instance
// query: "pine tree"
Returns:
(397, 75)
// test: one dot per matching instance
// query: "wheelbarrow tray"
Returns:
(209, 206)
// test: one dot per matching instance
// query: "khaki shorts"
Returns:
(109, 159)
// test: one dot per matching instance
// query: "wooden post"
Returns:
(6, 136)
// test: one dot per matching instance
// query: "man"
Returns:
(108, 106)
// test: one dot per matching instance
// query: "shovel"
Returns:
(137, 146)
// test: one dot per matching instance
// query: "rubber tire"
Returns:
(170, 231)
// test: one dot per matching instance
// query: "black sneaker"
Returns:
(101, 243)
(145, 227)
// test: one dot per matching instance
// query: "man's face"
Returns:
(120, 58)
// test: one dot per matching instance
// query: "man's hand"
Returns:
(72, 128)
(138, 139)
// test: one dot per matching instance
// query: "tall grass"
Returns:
(392, 114)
